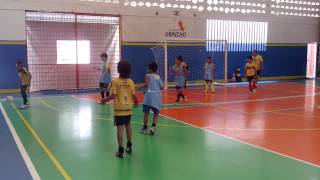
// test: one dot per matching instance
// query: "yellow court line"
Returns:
(13, 42)
(44, 147)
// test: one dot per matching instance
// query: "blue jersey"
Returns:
(105, 76)
(152, 96)
(209, 71)
(179, 72)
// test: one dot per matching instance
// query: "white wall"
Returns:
(12, 25)
(141, 24)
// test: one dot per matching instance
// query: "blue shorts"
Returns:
(146, 109)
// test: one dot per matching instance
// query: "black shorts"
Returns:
(250, 78)
(258, 72)
(104, 85)
(178, 87)
(122, 120)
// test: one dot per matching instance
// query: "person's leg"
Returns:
(107, 89)
(212, 87)
(146, 111)
(182, 95)
(23, 90)
(145, 120)
(120, 151)
(250, 83)
(129, 135)
(257, 75)
(155, 120)
(254, 84)
(206, 86)
(101, 90)
(178, 94)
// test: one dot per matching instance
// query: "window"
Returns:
(73, 52)
(241, 35)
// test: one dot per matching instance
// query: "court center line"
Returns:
(33, 171)
(242, 142)
(107, 119)
(44, 147)
(234, 129)
(252, 100)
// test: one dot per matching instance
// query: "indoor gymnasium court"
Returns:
(232, 86)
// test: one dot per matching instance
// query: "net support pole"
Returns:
(225, 62)
(165, 44)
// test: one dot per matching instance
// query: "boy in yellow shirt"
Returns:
(258, 62)
(251, 74)
(25, 80)
(123, 93)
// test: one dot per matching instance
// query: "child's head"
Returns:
(254, 53)
(104, 57)
(249, 59)
(209, 59)
(19, 65)
(153, 67)
(124, 69)
(179, 60)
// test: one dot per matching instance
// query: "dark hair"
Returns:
(153, 67)
(19, 63)
(104, 55)
(249, 57)
(255, 50)
(180, 58)
(124, 69)
(209, 57)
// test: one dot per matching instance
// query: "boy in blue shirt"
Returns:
(152, 98)
(104, 77)
(180, 70)
(209, 72)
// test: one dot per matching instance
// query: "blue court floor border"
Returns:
(12, 165)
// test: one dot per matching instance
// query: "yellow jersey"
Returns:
(257, 61)
(123, 90)
(24, 76)
(250, 69)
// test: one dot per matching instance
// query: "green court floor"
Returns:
(80, 136)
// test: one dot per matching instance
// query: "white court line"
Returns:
(256, 100)
(23, 152)
(243, 142)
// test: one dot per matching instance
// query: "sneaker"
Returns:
(254, 91)
(144, 131)
(102, 102)
(129, 148)
(24, 106)
(184, 100)
(177, 102)
(120, 153)
(152, 130)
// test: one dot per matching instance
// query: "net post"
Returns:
(225, 62)
(165, 65)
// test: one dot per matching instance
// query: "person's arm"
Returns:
(113, 92)
(135, 100)
(134, 97)
(261, 64)
(245, 70)
(161, 83)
